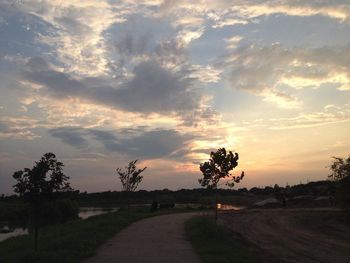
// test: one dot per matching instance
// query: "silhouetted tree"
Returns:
(39, 185)
(340, 168)
(218, 167)
(340, 174)
(130, 178)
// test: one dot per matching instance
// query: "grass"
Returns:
(70, 242)
(217, 243)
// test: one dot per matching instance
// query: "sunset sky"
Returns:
(100, 83)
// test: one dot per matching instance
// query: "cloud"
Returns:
(19, 127)
(40, 72)
(331, 114)
(70, 135)
(282, 100)
(152, 89)
(306, 120)
(206, 74)
(136, 143)
(76, 34)
(266, 70)
(223, 13)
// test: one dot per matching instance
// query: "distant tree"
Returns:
(130, 178)
(340, 174)
(39, 185)
(219, 167)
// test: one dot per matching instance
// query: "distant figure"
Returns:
(154, 206)
(284, 199)
(331, 200)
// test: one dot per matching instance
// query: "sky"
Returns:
(103, 82)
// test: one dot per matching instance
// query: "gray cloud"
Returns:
(140, 143)
(255, 68)
(130, 45)
(70, 135)
(155, 89)
(39, 71)
(3, 127)
(152, 89)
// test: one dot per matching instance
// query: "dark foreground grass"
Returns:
(216, 243)
(69, 242)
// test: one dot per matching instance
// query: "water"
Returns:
(229, 207)
(188, 205)
(84, 213)
(13, 233)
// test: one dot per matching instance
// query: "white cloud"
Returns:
(77, 38)
(232, 42)
(266, 70)
(331, 114)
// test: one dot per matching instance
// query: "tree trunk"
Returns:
(128, 202)
(36, 235)
(216, 208)
(35, 218)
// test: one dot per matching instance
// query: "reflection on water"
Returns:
(229, 207)
(86, 212)
(12, 233)
(187, 205)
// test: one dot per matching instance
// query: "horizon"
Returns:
(101, 83)
(190, 189)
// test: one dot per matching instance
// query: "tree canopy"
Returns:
(43, 180)
(218, 167)
(39, 185)
(340, 168)
(130, 176)
(340, 174)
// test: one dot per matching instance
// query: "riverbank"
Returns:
(72, 241)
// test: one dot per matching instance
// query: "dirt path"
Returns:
(155, 239)
(294, 235)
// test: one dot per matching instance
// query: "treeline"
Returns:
(199, 195)
(14, 209)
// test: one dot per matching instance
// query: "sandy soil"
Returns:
(155, 239)
(294, 235)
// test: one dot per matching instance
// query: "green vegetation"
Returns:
(219, 167)
(130, 178)
(340, 175)
(216, 243)
(72, 241)
(40, 187)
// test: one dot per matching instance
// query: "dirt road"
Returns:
(155, 239)
(294, 235)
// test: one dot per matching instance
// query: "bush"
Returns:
(59, 211)
(14, 214)
(166, 201)
(342, 192)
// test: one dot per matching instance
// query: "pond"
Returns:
(11, 233)
(84, 213)
(226, 207)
